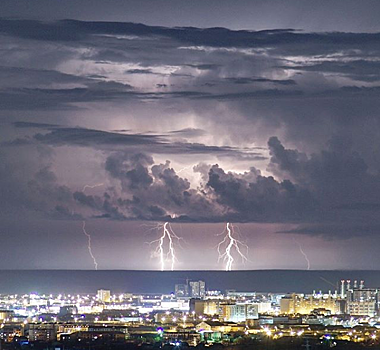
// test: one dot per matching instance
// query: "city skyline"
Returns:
(241, 137)
(192, 316)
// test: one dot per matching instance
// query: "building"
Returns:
(6, 315)
(41, 332)
(104, 295)
(361, 308)
(234, 312)
(68, 310)
(197, 306)
(362, 301)
(211, 307)
(205, 307)
(300, 304)
(235, 294)
(197, 289)
(252, 311)
(91, 336)
(9, 331)
(181, 290)
(216, 326)
(239, 312)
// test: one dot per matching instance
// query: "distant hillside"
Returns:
(81, 281)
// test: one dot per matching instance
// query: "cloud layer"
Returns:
(191, 124)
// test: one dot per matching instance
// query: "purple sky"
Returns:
(250, 113)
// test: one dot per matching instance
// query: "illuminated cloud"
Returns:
(190, 124)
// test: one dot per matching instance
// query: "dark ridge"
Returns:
(85, 281)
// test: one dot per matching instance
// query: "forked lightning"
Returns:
(228, 245)
(167, 239)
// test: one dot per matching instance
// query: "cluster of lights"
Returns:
(143, 315)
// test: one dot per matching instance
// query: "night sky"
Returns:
(128, 114)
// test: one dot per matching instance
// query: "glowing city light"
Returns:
(227, 245)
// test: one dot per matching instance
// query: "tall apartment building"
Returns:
(104, 295)
(197, 289)
(181, 290)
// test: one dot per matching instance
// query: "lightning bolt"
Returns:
(228, 244)
(89, 245)
(167, 239)
(303, 253)
(91, 186)
(183, 169)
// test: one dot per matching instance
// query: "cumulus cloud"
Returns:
(330, 193)
(148, 191)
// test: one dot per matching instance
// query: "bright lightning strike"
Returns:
(165, 245)
(91, 186)
(304, 254)
(183, 169)
(89, 245)
(227, 245)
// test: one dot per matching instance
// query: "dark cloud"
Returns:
(330, 189)
(159, 144)
(324, 15)
(247, 80)
(362, 70)
(204, 66)
(323, 193)
(257, 94)
(148, 191)
(189, 132)
(178, 100)
(39, 89)
(332, 231)
(71, 30)
(29, 125)
(140, 71)
(262, 199)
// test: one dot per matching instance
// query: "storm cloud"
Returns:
(276, 127)
(327, 193)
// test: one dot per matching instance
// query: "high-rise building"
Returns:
(104, 295)
(181, 290)
(197, 289)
